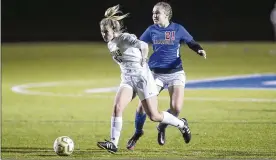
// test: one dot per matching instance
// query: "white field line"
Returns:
(231, 77)
(24, 89)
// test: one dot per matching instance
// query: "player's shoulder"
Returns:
(125, 36)
(152, 27)
(177, 25)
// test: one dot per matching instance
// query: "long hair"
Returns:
(113, 19)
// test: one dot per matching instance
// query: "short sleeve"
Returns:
(184, 35)
(146, 36)
(129, 39)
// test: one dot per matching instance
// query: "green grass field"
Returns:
(33, 119)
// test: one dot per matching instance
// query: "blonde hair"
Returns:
(167, 7)
(112, 18)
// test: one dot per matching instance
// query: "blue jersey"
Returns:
(166, 45)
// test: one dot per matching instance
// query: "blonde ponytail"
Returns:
(112, 11)
(112, 18)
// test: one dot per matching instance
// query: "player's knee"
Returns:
(140, 110)
(175, 109)
(154, 117)
(140, 105)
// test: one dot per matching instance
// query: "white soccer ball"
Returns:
(64, 146)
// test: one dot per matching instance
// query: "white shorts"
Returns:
(168, 80)
(142, 83)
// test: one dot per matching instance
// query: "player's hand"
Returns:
(143, 61)
(202, 53)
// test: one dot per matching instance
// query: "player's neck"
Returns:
(164, 25)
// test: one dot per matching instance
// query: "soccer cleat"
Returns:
(187, 135)
(133, 140)
(161, 135)
(107, 145)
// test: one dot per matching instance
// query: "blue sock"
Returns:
(140, 119)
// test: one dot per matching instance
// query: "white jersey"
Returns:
(135, 76)
(124, 53)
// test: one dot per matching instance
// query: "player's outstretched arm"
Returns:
(188, 39)
(197, 48)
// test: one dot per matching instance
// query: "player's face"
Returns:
(159, 15)
(107, 33)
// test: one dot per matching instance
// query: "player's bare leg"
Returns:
(176, 99)
(140, 119)
(122, 99)
(176, 102)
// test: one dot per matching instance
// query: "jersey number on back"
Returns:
(117, 55)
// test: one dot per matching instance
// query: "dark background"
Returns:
(78, 20)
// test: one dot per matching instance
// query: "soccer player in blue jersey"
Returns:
(166, 65)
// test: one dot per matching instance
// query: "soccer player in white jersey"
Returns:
(136, 78)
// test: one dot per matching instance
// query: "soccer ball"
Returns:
(64, 146)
